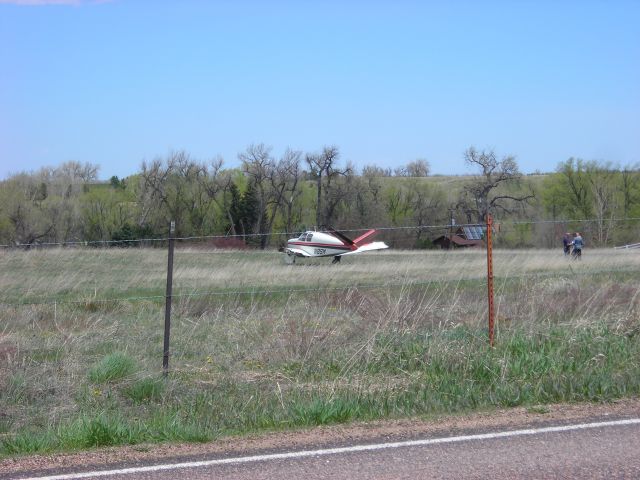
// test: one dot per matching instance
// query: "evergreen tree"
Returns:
(249, 211)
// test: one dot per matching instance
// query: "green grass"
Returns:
(113, 367)
(145, 390)
(409, 375)
(77, 376)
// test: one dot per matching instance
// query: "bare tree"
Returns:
(258, 165)
(276, 184)
(78, 172)
(487, 193)
(375, 171)
(174, 190)
(288, 172)
(324, 169)
(417, 168)
(602, 181)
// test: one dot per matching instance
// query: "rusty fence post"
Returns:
(167, 305)
(490, 278)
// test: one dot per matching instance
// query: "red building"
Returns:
(467, 236)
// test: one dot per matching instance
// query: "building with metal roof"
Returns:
(466, 236)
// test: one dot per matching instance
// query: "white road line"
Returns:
(334, 451)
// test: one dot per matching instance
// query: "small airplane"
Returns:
(329, 243)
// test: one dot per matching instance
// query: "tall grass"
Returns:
(409, 339)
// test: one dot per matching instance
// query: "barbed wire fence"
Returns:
(262, 290)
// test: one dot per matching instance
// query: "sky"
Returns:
(119, 82)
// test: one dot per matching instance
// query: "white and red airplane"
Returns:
(329, 243)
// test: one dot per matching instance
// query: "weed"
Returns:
(26, 442)
(145, 390)
(322, 412)
(113, 367)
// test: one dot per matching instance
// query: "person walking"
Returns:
(566, 244)
(577, 243)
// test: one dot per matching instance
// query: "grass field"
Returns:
(257, 344)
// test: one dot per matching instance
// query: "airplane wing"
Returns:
(367, 248)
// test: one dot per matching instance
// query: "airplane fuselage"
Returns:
(318, 244)
(329, 244)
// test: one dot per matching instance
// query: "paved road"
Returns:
(606, 451)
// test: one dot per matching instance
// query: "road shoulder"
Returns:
(323, 437)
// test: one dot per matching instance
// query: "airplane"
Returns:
(329, 243)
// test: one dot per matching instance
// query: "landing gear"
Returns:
(336, 259)
(289, 258)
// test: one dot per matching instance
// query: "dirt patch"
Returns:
(329, 436)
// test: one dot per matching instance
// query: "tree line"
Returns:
(294, 190)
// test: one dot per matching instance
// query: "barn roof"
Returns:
(474, 232)
(458, 240)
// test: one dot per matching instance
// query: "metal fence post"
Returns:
(490, 278)
(167, 306)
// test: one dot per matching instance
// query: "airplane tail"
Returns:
(361, 239)
(358, 242)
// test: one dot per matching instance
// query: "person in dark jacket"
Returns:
(566, 243)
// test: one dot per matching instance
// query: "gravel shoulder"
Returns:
(318, 437)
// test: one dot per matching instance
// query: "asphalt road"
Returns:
(594, 451)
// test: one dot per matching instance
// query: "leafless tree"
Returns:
(276, 184)
(375, 171)
(417, 168)
(601, 179)
(78, 172)
(288, 174)
(487, 192)
(173, 190)
(323, 167)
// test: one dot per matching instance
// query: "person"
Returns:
(577, 243)
(566, 243)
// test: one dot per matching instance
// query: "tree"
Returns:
(25, 211)
(595, 191)
(373, 171)
(249, 211)
(323, 167)
(417, 168)
(275, 184)
(117, 183)
(288, 177)
(105, 211)
(487, 192)
(78, 172)
(630, 187)
(369, 196)
(426, 202)
(175, 189)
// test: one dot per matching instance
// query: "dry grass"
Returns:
(270, 336)
(84, 274)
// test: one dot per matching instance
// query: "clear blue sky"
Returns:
(117, 82)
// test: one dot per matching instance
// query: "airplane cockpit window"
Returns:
(309, 236)
(302, 237)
